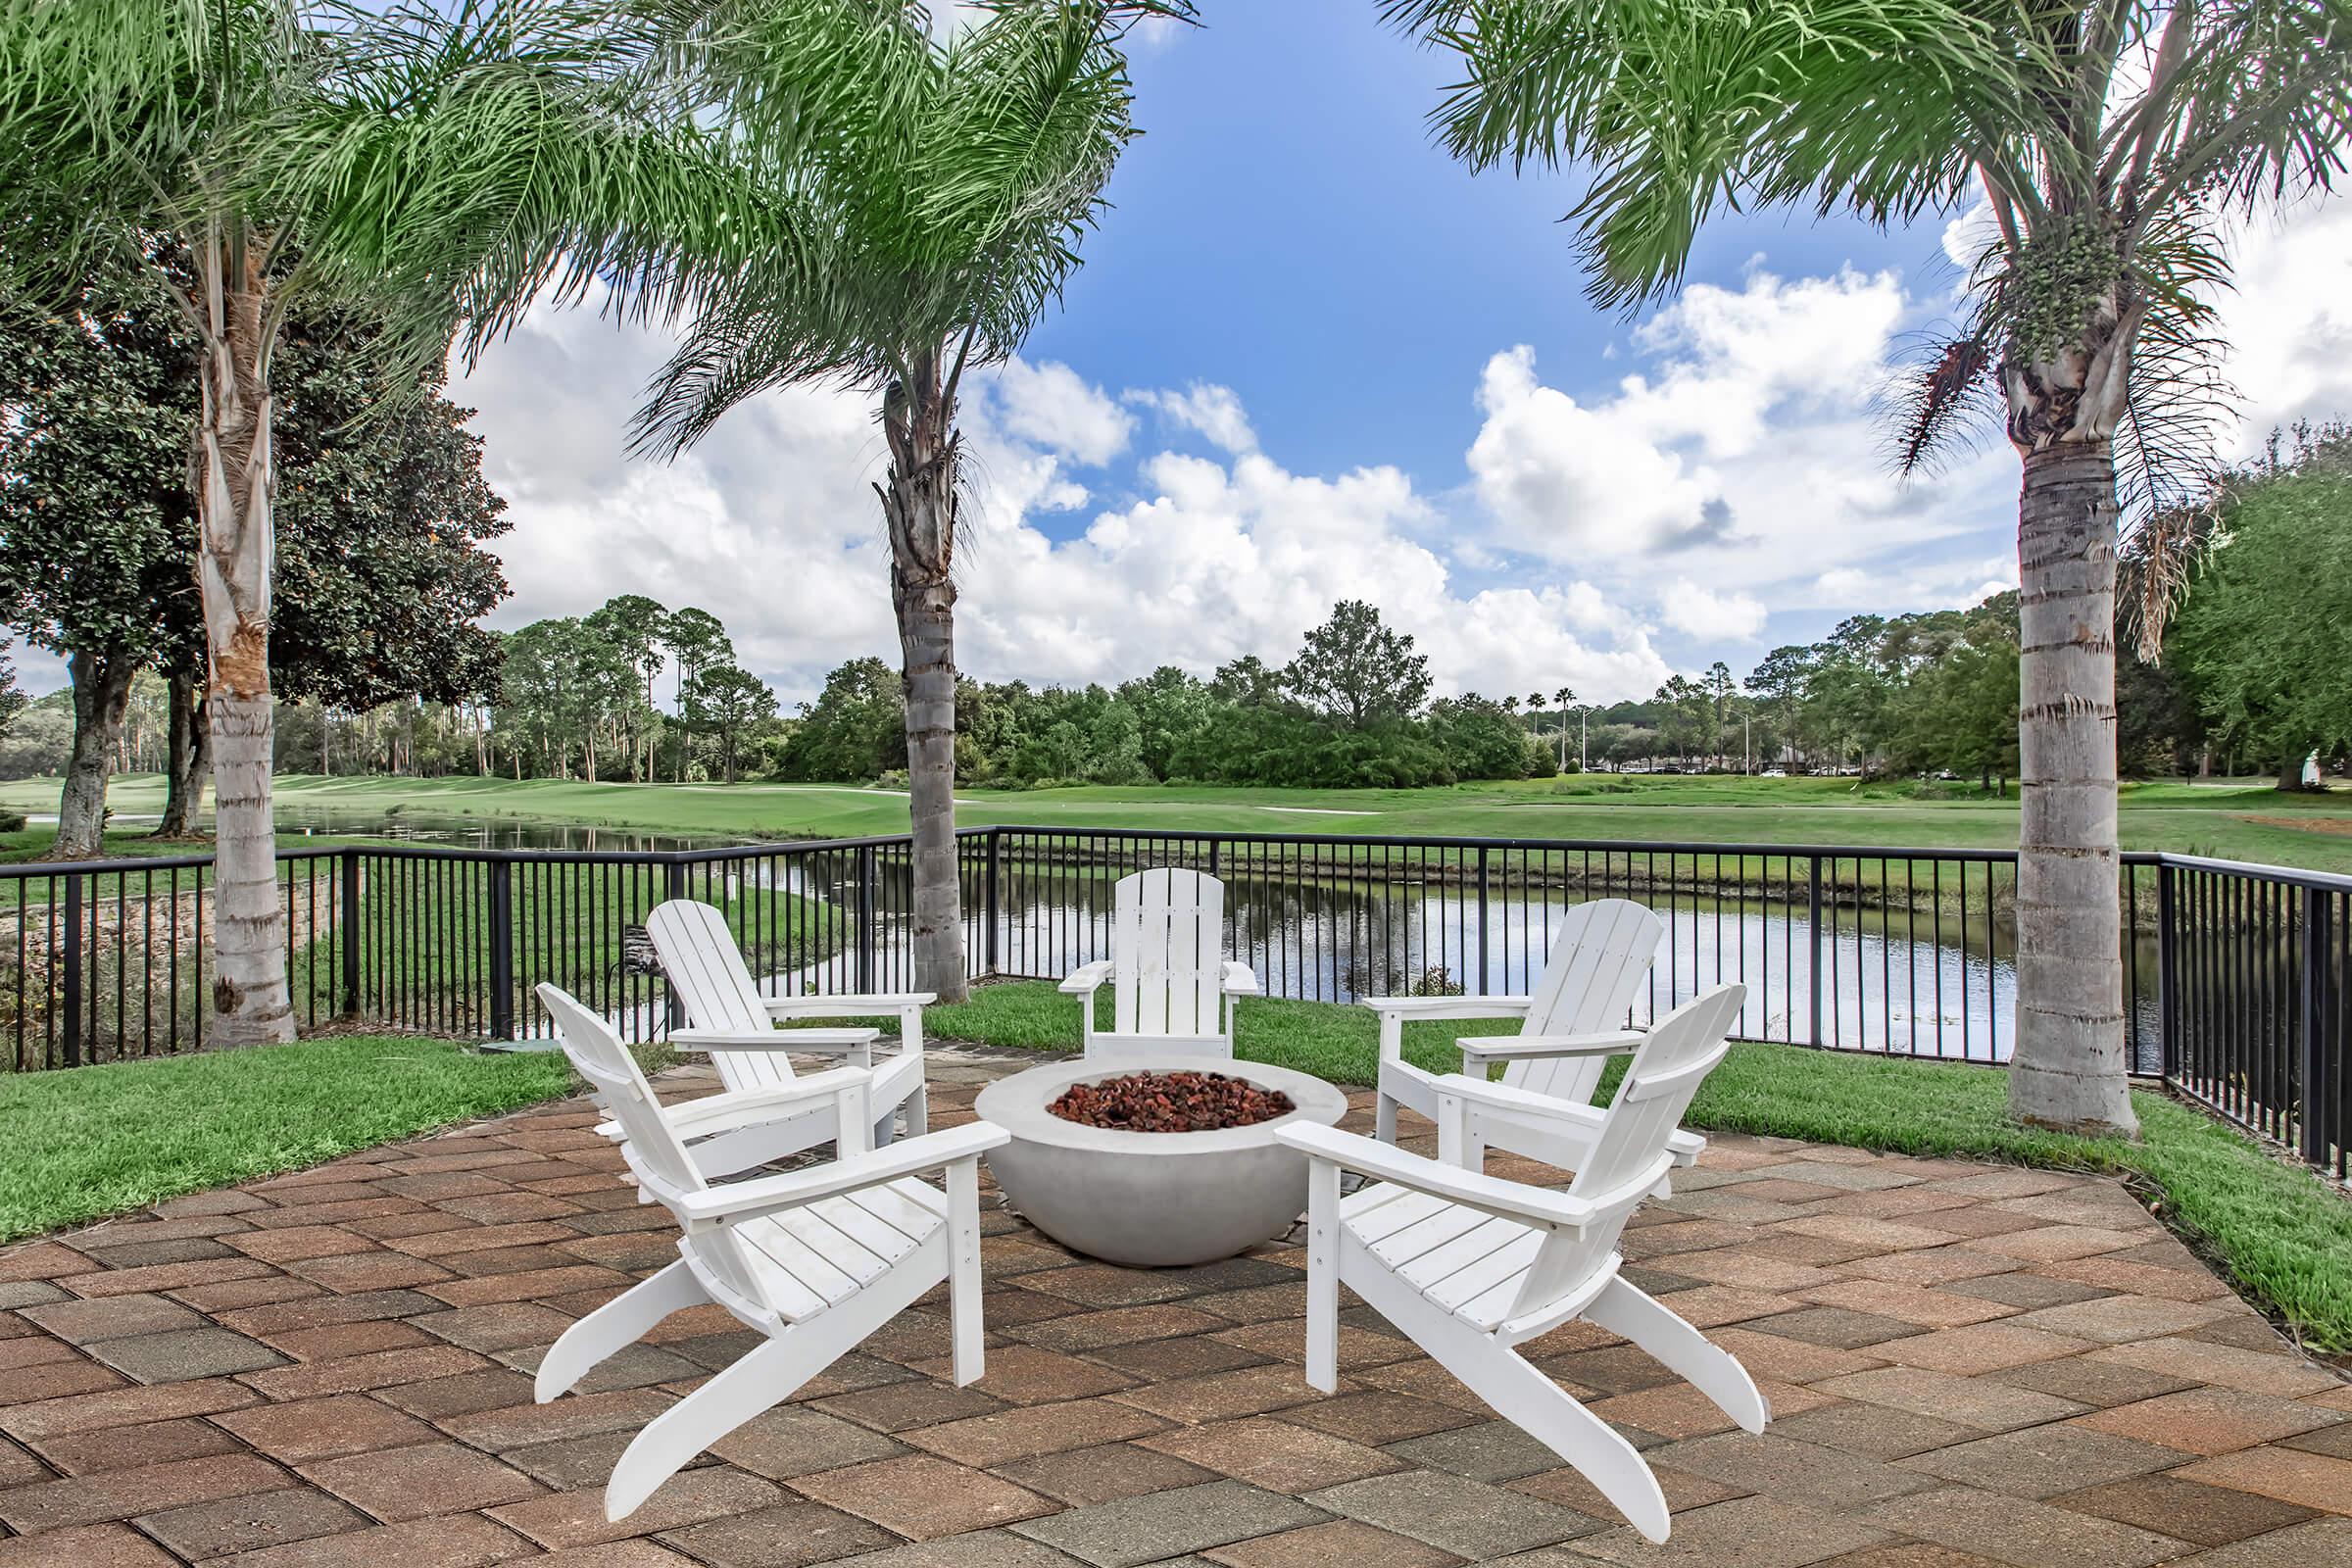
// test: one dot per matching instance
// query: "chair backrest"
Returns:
(1629, 1154)
(1599, 963)
(707, 973)
(1167, 949)
(656, 1154)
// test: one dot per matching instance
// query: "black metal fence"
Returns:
(2235, 975)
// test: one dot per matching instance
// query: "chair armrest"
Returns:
(812, 1041)
(1240, 980)
(745, 1105)
(1412, 1009)
(856, 1005)
(1086, 978)
(1544, 1048)
(770, 1194)
(1488, 1194)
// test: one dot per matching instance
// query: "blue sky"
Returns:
(1309, 357)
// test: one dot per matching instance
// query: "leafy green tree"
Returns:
(1358, 671)
(1246, 682)
(2263, 644)
(855, 730)
(1169, 706)
(728, 700)
(2107, 142)
(95, 515)
(445, 165)
(936, 191)
(695, 641)
(633, 624)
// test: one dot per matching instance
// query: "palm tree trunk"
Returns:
(2068, 1069)
(100, 693)
(918, 503)
(237, 480)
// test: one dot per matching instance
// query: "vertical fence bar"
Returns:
(348, 935)
(70, 1035)
(865, 918)
(1813, 931)
(2168, 982)
(502, 949)
(2311, 1117)
(1484, 889)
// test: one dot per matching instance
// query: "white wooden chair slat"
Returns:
(708, 974)
(1169, 989)
(902, 1211)
(813, 1262)
(822, 1276)
(1467, 1293)
(1448, 1268)
(885, 1243)
(1469, 1271)
(1424, 1235)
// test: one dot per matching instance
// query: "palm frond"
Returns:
(1939, 405)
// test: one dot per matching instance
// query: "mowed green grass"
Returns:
(83, 1143)
(2246, 820)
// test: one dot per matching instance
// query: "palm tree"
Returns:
(940, 188)
(432, 165)
(1564, 695)
(2106, 142)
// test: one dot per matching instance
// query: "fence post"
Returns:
(1484, 886)
(2168, 1031)
(70, 1036)
(993, 890)
(2312, 1121)
(502, 949)
(351, 933)
(866, 917)
(1813, 936)
(673, 887)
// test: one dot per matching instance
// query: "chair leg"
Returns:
(757, 1382)
(1518, 1393)
(1383, 1121)
(615, 1326)
(1621, 1308)
(918, 1113)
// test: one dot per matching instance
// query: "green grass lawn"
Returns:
(2246, 820)
(90, 1142)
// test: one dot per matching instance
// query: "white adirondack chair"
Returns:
(1573, 1021)
(1469, 1266)
(729, 1017)
(817, 1260)
(1171, 986)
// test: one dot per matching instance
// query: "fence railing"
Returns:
(2236, 976)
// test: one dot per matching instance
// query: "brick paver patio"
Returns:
(1968, 1365)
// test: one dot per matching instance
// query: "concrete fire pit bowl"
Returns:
(1151, 1199)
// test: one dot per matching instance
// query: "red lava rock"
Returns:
(1171, 1103)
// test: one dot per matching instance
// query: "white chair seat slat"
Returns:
(912, 1209)
(1482, 1293)
(1435, 1273)
(820, 1228)
(868, 1230)
(1427, 1233)
(777, 1288)
(823, 1278)
(1378, 1211)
